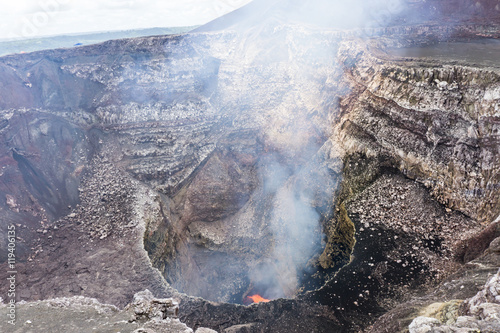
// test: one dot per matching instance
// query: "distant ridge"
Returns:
(75, 40)
(251, 14)
(353, 14)
(325, 14)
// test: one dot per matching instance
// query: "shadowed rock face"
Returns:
(243, 161)
(42, 156)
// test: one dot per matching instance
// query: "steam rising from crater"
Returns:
(270, 70)
(295, 222)
(250, 213)
(278, 39)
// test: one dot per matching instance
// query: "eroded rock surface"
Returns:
(427, 119)
(189, 161)
(479, 313)
(455, 305)
(81, 314)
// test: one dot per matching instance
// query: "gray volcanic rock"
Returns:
(43, 157)
(304, 163)
(444, 310)
(81, 314)
(425, 117)
(146, 307)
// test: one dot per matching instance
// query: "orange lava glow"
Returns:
(257, 298)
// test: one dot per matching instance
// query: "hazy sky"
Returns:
(32, 18)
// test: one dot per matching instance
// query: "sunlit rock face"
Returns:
(438, 122)
(259, 154)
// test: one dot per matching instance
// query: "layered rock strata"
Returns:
(180, 160)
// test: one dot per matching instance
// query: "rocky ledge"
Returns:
(145, 314)
(467, 301)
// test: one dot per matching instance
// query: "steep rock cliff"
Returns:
(203, 149)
